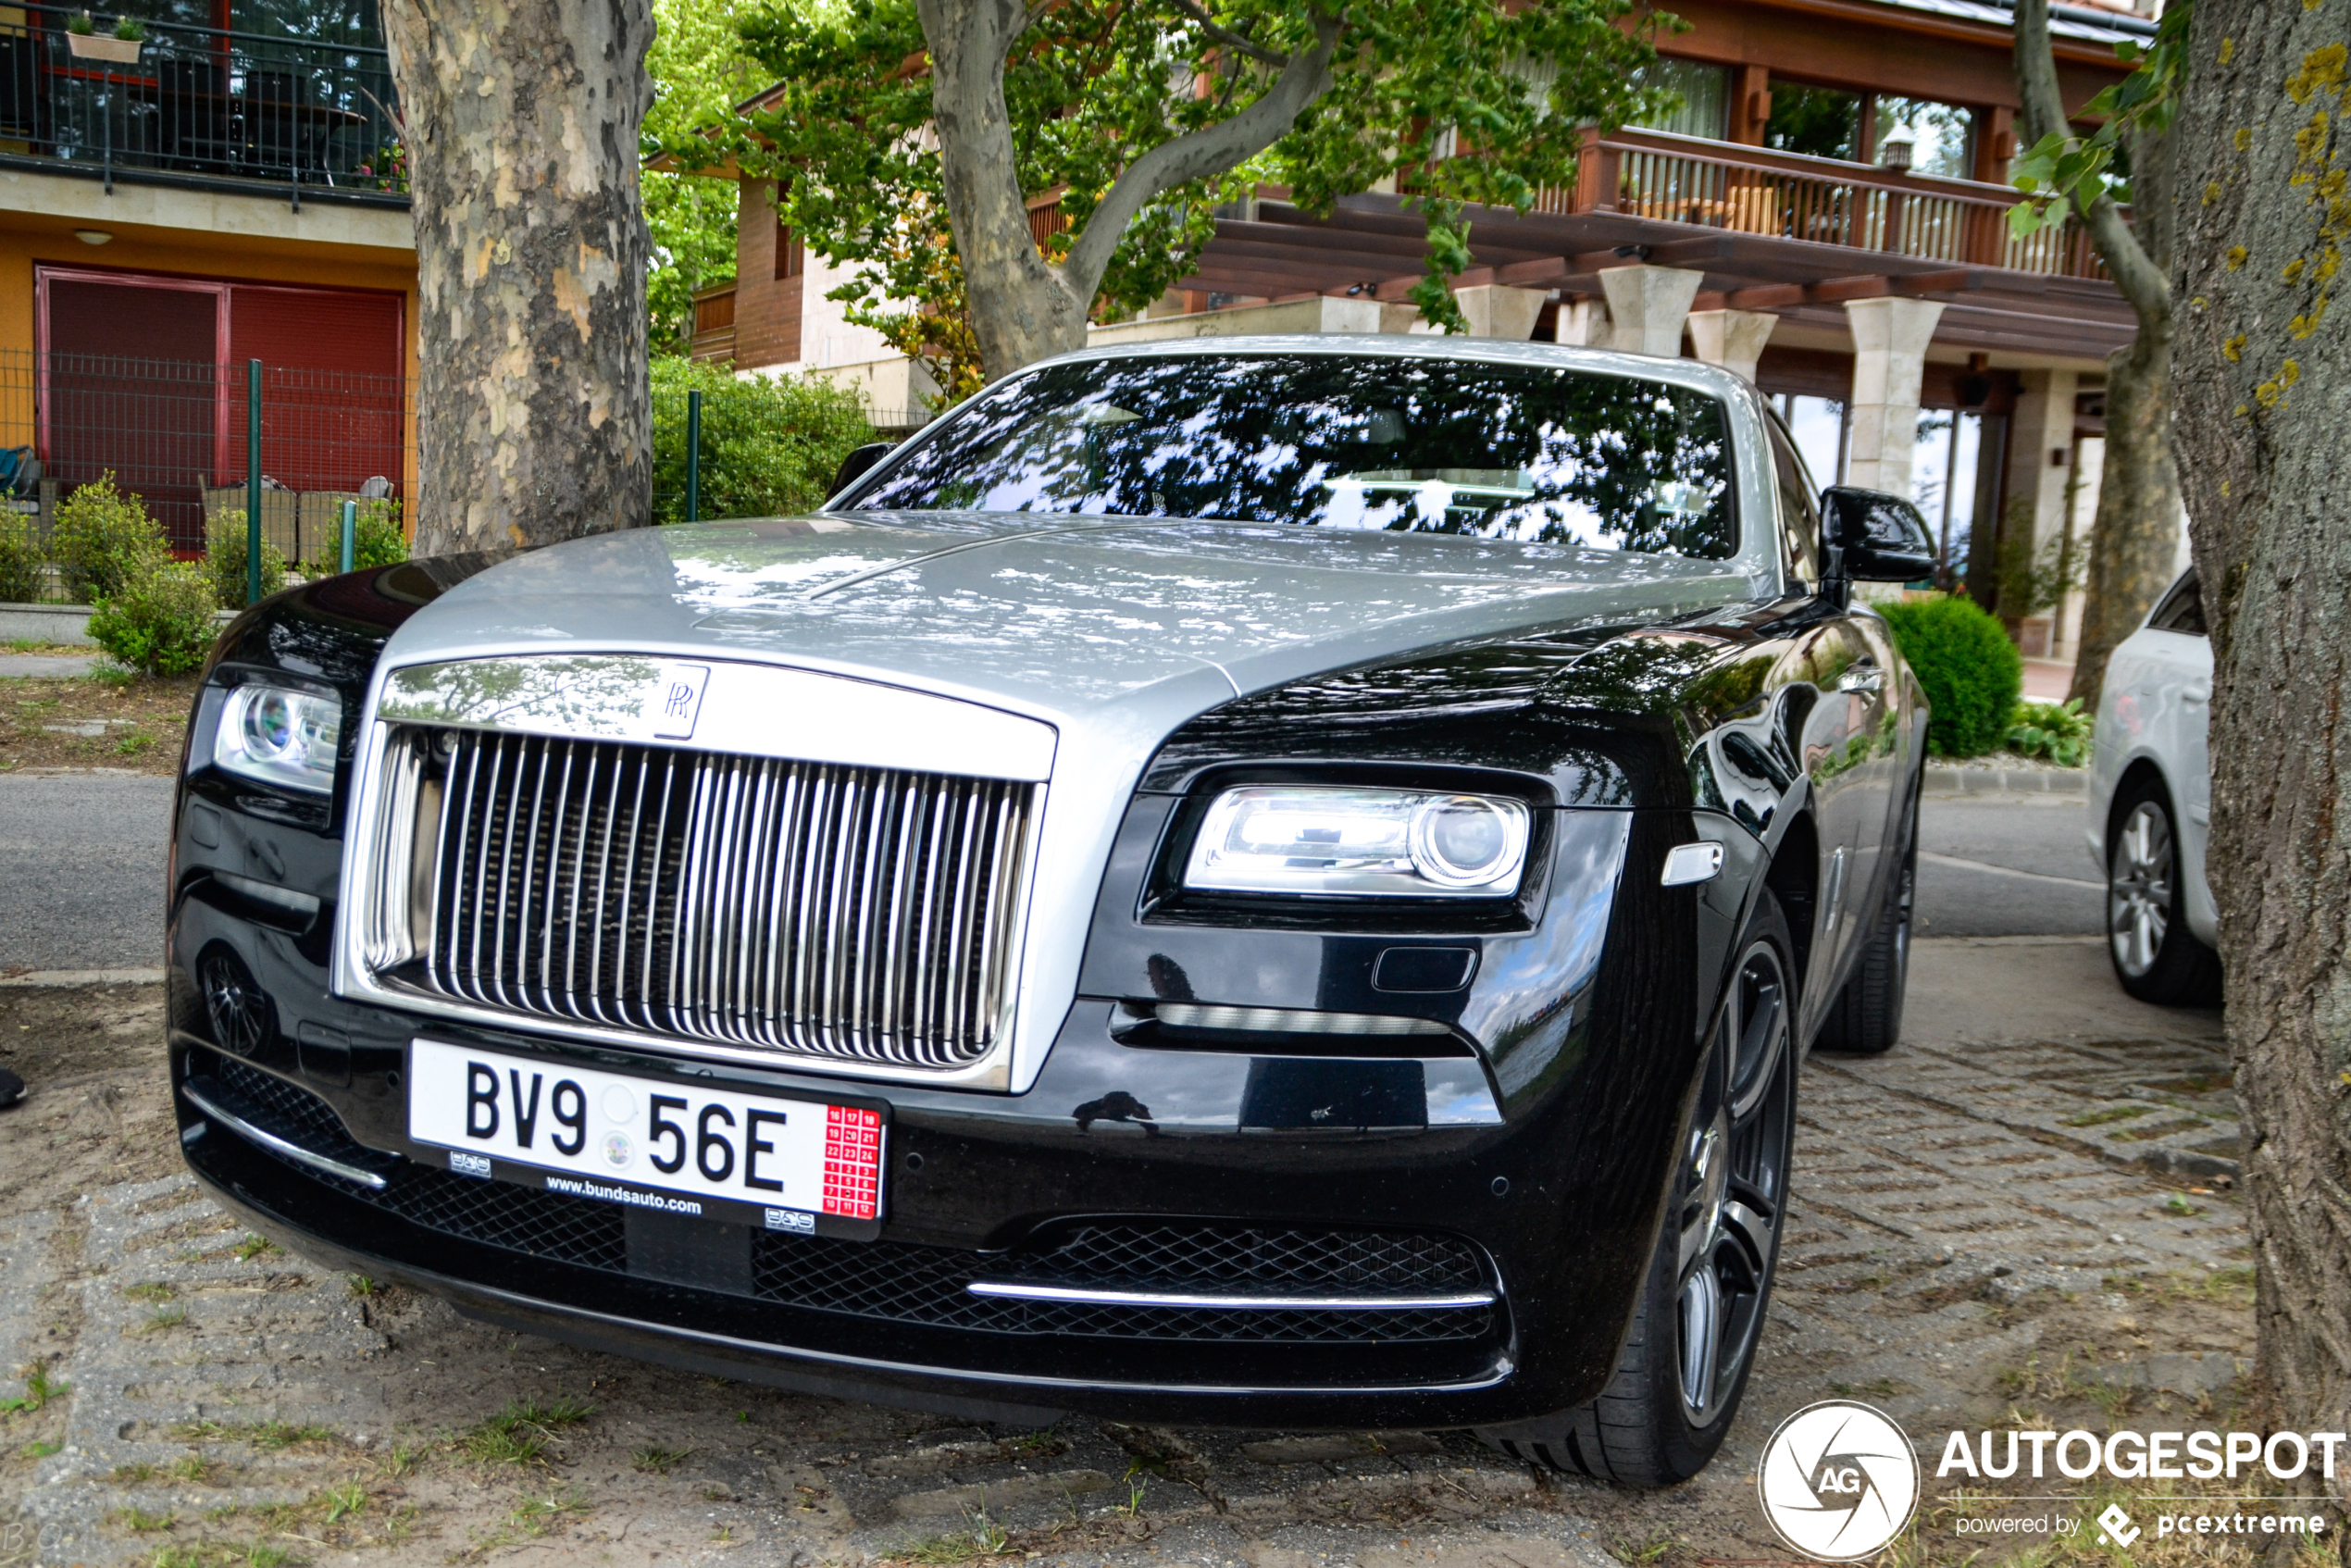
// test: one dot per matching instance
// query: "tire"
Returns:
(1648, 1427)
(2156, 956)
(1866, 1018)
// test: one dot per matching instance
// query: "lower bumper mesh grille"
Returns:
(902, 1282)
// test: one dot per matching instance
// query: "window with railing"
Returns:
(294, 95)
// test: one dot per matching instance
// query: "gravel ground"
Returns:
(1971, 1235)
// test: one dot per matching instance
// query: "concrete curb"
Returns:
(61, 623)
(84, 978)
(45, 623)
(1941, 779)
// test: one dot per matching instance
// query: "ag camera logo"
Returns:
(1838, 1480)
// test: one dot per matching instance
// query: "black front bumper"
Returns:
(1555, 1205)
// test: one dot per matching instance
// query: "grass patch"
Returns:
(520, 1433)
(2177, 1205)
(275, 1436)
(360, 1285)
(254, 1246)
(151, 1290)
(142, 1522)
(39, 1389)
(162, 1320)
(2102, 1117)
(654, 1460)
(981, 1538)
(39, 1451)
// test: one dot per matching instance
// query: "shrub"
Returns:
(224, 560)
(375, 541)
(1970, 672)
(102, 539)
(769, 444)
(2059, 732)
(161, 622)
(19, 560)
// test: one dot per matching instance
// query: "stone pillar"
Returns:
(1889, 361)
(1648, 305)
(2041, 470)
(1584, 324)
(1733, 338)
(1495, 310)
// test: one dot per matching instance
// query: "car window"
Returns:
(1526, 454)
(2182, 610)
(1799, 514)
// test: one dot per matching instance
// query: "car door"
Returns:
(1832, 720)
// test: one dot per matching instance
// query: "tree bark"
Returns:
(2263, 399)
(2134, 540)
(1023, 307)
(533, 405)
(2136, 536)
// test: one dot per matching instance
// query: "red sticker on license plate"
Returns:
(853, 1161)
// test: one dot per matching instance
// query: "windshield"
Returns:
(1531, 453)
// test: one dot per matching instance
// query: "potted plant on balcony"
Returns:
(121, 47)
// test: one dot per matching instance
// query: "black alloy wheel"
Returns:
(1686, 1362)
(243, 1018)
(2156, 956)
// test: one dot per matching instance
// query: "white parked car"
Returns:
(2150, 804)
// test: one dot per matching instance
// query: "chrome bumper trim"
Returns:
(1019, 1292)
(270, 1140)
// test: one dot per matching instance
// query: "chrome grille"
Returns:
(861, 913)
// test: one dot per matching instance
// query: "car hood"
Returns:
(1049, 615)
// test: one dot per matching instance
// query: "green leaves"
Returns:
(2064, 174)
(1449, 102)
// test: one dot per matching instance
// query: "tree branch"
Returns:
(2136, 273)
(1212, 149)
(1228, 37)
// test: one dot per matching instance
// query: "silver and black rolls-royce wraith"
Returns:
(1248, 882)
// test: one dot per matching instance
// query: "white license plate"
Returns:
(676, 1147)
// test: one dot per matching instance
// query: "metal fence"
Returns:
(199, 101)
(175, 433)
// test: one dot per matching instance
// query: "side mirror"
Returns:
(1876, 537)
(854, 467)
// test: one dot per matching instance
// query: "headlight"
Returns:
(280, 736)
(1403, 843)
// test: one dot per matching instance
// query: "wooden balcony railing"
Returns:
(1751, 190)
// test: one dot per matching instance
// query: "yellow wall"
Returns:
(31, 239)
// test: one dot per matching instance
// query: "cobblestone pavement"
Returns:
(1967, 1232)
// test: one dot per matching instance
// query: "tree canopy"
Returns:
(699, 72)
(1142, 118)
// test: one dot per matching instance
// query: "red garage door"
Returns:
(332, 391)
(147, 376)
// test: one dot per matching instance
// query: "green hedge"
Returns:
(20, 559)
(102, 539)
(225, 537)
(1971, 671)
(770, 446)
(161, 620)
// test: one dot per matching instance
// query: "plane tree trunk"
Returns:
(533, 405)
(2135, 535)
(2264, 396)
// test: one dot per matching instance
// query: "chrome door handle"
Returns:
(1862, 677)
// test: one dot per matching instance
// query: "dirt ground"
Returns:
(181, 1393)
(135, 723)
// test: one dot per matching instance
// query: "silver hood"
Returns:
(1113, 632)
